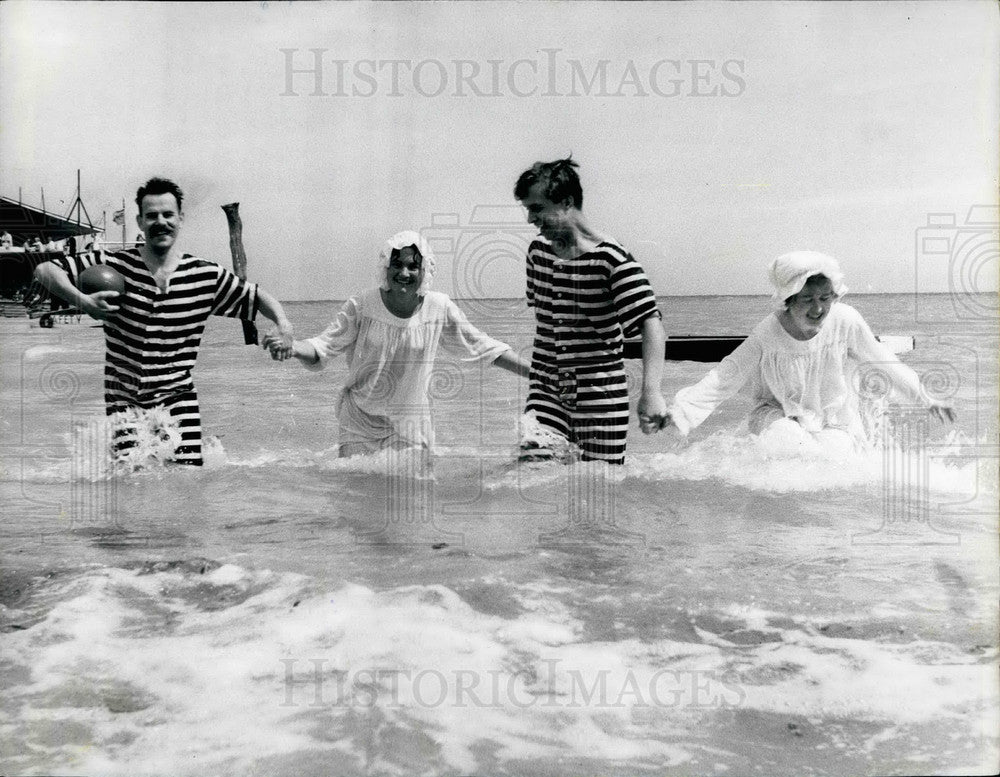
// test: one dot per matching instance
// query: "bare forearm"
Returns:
(55, 280)
(652, 408)
(653, 340)
(271, 309)
(513, 362)
(305, 352)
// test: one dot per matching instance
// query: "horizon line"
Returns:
(680, 296)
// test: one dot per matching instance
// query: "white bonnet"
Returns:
(789, 273)
(398, 242)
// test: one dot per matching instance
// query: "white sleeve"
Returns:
(872, 355)
(460, 337)
(694, 404)
(340, 335)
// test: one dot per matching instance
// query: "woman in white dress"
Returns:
(802, 362)
(390, 336)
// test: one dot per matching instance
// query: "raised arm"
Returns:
(98, 305)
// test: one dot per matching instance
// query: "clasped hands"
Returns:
(279, 343)
(653, 413)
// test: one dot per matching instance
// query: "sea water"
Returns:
(716, 606)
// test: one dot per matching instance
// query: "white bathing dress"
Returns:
(385, 402)
(816, 382)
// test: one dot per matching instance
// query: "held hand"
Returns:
(279, 344)
(943, 413)
(100, 304)
(651, 425)
(653, 415)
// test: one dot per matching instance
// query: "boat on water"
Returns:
(714, 348)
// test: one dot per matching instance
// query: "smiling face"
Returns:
(551, 219)
(159, 220)
(807, 311)
(406, 271)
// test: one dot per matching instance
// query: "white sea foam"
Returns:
(410, 461)
(767, 465)
(534, 434)
(172, 671)
(38, 352)
(91, 455)
(154, 435)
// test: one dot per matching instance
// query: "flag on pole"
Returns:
(118, 216)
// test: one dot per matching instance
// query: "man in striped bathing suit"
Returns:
(153, 331)
(589, 294)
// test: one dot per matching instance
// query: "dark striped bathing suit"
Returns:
(585, 308)
(152, 341)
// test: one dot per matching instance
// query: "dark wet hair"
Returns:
(159, 186)
(394, 254)
(558, 180)
(818, 278)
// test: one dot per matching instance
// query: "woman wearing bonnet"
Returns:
(390, 336)
(801, 360)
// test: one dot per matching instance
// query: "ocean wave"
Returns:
(194, 665)
(952, 465)
(758, 464)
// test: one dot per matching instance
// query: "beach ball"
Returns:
(100, 277)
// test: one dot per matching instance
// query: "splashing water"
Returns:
(897, 447)
(151, 437)
(542, 442)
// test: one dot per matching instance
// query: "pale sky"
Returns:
(723, 134)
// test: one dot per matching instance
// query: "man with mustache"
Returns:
(153, 331)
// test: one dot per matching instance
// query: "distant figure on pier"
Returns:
(153, 332)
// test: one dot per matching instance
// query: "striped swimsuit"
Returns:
(584, 308)
(152, 341)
